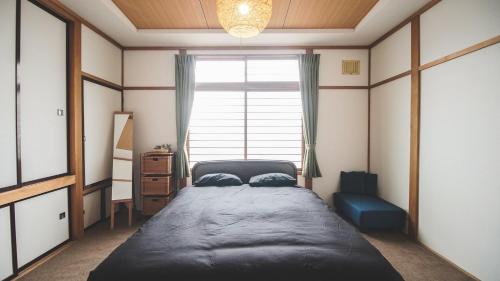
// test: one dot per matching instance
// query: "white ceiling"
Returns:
(107, 17)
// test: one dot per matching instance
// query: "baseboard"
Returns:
(447, 261)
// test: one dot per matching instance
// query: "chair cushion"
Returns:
(369, 212)
(352, 182)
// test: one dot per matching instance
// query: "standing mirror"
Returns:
(122, 163)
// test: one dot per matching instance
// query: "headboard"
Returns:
(245, 169)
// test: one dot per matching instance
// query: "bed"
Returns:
(245, 233)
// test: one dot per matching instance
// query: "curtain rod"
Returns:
(245, 56)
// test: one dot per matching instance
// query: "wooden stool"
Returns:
(129, 203)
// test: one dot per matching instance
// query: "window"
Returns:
(246, 108)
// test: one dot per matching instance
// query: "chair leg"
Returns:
(112, 215)
(129, 213)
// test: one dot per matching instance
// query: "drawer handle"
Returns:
(155, 200)
(155, 159)
(154, 179)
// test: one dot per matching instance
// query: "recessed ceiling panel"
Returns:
(287, 14)
(163, 14)
(322, 14)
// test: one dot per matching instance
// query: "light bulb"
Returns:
(244, 9)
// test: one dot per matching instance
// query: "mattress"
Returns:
(246, 233)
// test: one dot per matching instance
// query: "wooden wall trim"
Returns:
(420, 11)
(36, 189)
(172, 88)
(97, 186)
(414, 130)
(15, 267)
(243, 48)
(468, 50)
(344, 87)
(308, 183)
(76, 131)
(67, 13)
(368, 156)
(100, 81)
(390, 79)
(18, 95)
(123, 80)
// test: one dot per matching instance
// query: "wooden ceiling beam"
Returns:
(225, 48)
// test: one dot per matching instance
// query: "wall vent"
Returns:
(350, 67)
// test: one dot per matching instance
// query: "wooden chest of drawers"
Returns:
(157, 185)
(157, 182)
(152, 204)
(153, 164)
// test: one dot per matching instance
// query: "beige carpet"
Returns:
(414, 262)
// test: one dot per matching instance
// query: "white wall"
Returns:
(100, 57)
(99, 104)
(5, 243)
(38, 227)
(91, 208)
(467, 23)
(390, 139)
(44, 89)
(342, 140)
(149, 68)
(154, 110)
(154, 123)
(390, 117)
(459, 127)
(391, 56)
(8, 172)
(330, 67)
(460, 133)
(103, 59)
(341, 143)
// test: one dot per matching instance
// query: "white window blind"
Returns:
(217, 127)
(274, 126)
(245, 123)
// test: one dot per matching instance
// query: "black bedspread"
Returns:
(246, 233)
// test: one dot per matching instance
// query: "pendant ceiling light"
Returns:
(244, 18)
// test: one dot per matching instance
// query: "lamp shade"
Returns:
(244, 18)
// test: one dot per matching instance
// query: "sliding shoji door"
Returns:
(40, 231)
(8, 174)
(43, 93)
(100, 103)
(5, 244)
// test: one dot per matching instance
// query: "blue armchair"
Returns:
(358, 202)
